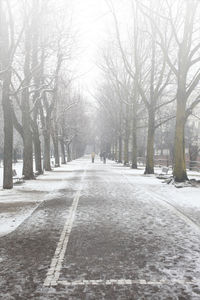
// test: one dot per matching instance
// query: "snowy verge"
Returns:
(18, 204)
(186, 199)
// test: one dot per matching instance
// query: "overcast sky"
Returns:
(91, 19)
(94, 22)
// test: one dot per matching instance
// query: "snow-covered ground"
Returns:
(185, 200)
(17, 167)
(18, 204)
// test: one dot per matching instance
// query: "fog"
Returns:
(99, 149)
(121, 77)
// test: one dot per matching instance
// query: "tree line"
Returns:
(39, 98)
(151, 71)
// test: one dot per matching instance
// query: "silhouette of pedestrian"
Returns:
(93, 156)
(104, 157)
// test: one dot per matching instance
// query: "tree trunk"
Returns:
(27, 137)
(8, 134)
(116, 148)
(126, 152)
(15, 155)
(5, 62)
(62, 146)
(26, 118)
(120, 150)
(37, 80)
(47, 150)
(149, 169)
(113, 151)
(127, 135)
(28, 148)
(56, 147)
(179, 171)
(193, 154)
(37, 148)
(134, 141)
(68, 153)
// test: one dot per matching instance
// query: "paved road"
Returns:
(101, 239)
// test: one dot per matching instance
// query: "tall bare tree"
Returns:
(180, 44)
(8, 47)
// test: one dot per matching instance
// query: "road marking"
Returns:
(125, 282)
(53, 273)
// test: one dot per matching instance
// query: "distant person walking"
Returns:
(104, 157)
(101, 155)
(93, 156)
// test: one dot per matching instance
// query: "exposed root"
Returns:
(186, 183)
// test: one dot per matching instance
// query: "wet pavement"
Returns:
(102, 238)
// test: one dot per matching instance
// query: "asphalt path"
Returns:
(102, 238)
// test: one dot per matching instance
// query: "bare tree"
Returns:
(180, 45)
(7, 50)
(150, 75)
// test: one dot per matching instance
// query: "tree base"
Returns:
(7, 187)
(32, 177)
(180, 177)
(134, 166)
(148, 171)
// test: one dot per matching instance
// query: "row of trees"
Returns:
(152, 74)
(39, 98)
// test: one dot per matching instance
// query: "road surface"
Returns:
(103, 237)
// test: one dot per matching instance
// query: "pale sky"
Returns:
(91, 19)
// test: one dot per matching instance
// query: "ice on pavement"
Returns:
(18, 204)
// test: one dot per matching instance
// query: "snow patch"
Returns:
(18, 204)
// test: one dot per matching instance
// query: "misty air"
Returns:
(99, 149)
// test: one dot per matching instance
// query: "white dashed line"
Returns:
(53, 274)
(56, 263)
(125, 282)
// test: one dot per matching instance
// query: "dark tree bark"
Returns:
(193, 153)
(62, 146)
(54, 135)
(120, 149)
(37, 81)
(149, 169)
(113, 151)
(5, 53)
(134, 140)
(179, 171)
(37, 149)
(68, 152)
(126, 137)
(26, 118)
(47, 144)
(8, 133)
(116, 149)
